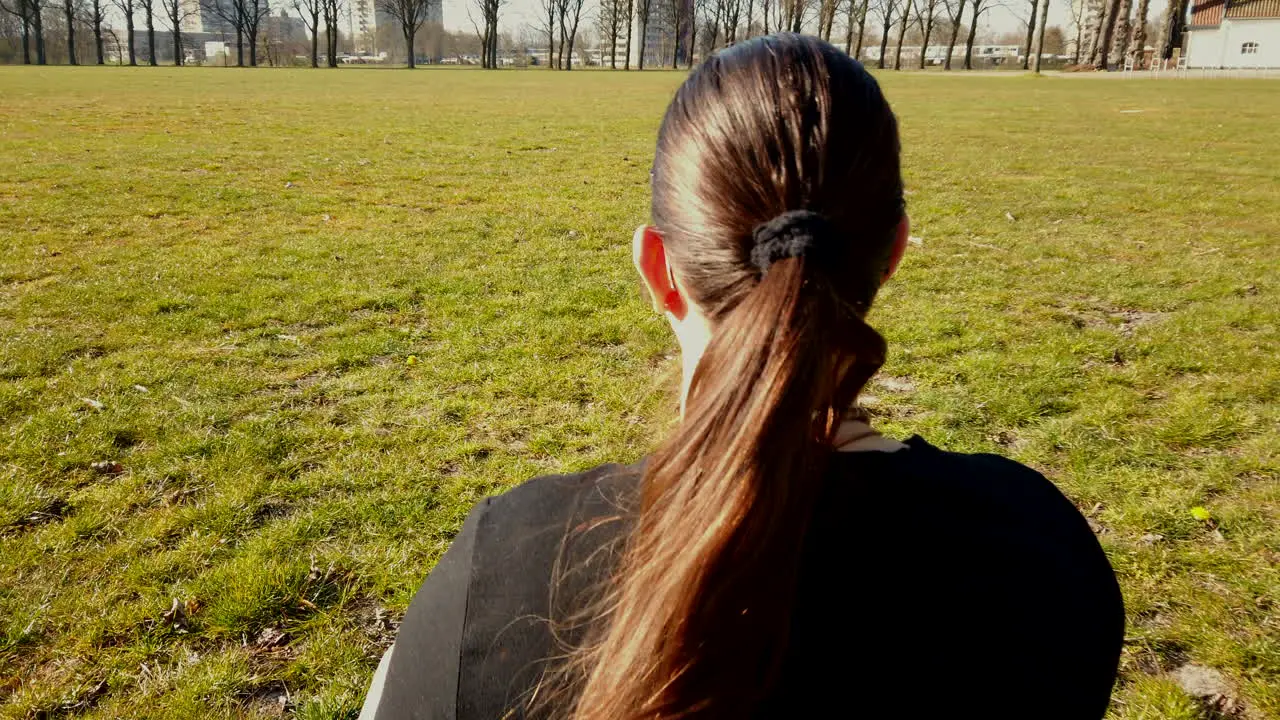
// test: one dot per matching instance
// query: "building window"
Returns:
(1249, 48)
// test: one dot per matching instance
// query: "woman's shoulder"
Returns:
(553, 500)
(955, 482)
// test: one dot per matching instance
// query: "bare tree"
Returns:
(792, 14)
(562, 10)
(926, 15)
(699, 14)
(884, 10)
(674, 7)
(69, 9)
(610, 19)
(28, 13)
(332, 12)
(254, 12)
(148, 11)
(548, 8)
(1031, 31)
(574, 8)
(1077, 20)
(978, 7)
(176, 12)
(644, 10)
(1123, 29)
(1097, 18)
(1108, 29)
(1044, 20)
(1171, 29)
(126, 8)
(408, 14)
(309, 11)
(488, 36)
(857, 14)
(231, 13)
(826, 17)
(955, 14)
(902, 33)
(1140, 33)
(95, 19)
(631, 14)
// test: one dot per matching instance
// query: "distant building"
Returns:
(1233, 34)
(214, 16)
(364, 19)
(660, 41)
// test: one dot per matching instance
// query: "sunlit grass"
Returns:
(314, 316)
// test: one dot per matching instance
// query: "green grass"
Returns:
(314, 316)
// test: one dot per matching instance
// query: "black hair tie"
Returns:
(795, 233)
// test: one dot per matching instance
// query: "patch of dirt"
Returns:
(1212, 690)
(78, 700)
(892, 384)
(270, 700)
(1122, 320)
(377, 623)
(53, 511)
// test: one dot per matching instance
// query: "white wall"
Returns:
(1220, 47)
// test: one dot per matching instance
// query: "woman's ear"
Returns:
(649, 254)
(901, 235)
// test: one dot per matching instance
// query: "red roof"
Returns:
(1253, 9)
(1211, 12)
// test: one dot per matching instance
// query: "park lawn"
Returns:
(308, 318)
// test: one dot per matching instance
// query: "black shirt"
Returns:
(934, 585)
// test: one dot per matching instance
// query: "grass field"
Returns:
(266, 336)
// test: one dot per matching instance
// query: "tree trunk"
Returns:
(1104, 47)
(26, 37)
(644, 26)
(315, 39)
(128, 24)
(97, 31)
(675, 49)
(1121, 48)
(1098, 19)
(177, 41)
(928, 32)
(955, 37)
(151, 38)
(253, 47)
(848, 30)
(1075, 55)
(1140, 34)
(1044, 20)
(862, 27)
(1171, 32)
(408, 44)
(973, 33)
(626, 63)
(884, 32)
(1031, 31)
(573, 34)
(37, 24)
(239, 45)
(71, 32)
(902, 33)
(693, 41)
(764, 5)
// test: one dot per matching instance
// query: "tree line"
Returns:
(1106, 31)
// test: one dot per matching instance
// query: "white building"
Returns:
(1234, 34)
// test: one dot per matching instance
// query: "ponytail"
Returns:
(699, 611)
(695, 621)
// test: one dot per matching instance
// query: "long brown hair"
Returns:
(779, 135)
